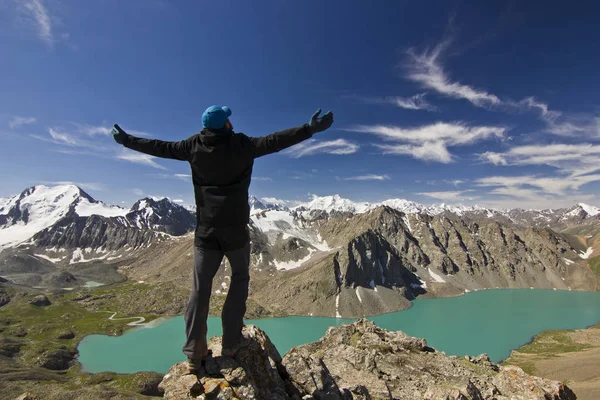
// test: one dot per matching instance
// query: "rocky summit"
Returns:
(354, 361)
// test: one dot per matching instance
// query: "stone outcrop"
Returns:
(40, 301)
(354, 361)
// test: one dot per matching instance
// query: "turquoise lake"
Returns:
(491, 321)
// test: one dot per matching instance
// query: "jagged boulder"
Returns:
(40, 301)
(355, 361)
(255, 373)
(4, 297)
(57, 359)
(146, 383)
(65, 335)
(371, 362)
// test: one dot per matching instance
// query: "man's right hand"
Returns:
(119, 134)
(317, 124)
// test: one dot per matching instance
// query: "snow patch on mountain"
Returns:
(287, 265)
(587, 254)
(567, 261)
(45, 257)
(276, 222)
(268, 203)
(335, 203)
(86, 209)
(436, 277)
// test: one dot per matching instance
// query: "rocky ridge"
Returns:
(355, 361)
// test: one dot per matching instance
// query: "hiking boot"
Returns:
(194, 365)
(232, 351)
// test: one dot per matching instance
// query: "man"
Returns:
(221, 162)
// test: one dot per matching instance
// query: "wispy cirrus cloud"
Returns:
(103, 130)
(183, 177)
(416, 102)
(62, 137)
(530, 186)
(450, 195)
(425, 68)
(368, 177)
(37, 13)
(261, 178)
(81, 140)
(140, 158)
(571, 159)
(313, 146)
(17, 121)
(454, 182)
(429, 142)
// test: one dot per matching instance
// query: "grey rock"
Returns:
(66, 335)
(40, 301)
(58, 359)
(355, 361)
(10, 347)
(4, 297)
(146, 383)
(27, 396)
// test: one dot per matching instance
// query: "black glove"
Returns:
(317, 124)
(119, 134)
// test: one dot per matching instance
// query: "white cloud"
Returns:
(572, 159)
(61, 137)
(313, 146)
(84, 185)
(429, 151)
(183, 177)
(529, 186)
(17, 121)
(138, 192)
(457, 195)
(425, 68)
(140, 158)
(368, 177)
(454, 182)
(429, 142)
(416, 102)
(93, 130)
(39, 15)
(494, 158)
(261, 178)
(178, 201)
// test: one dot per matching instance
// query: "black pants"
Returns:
(209, 250)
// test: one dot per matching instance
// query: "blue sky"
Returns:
(484, 103)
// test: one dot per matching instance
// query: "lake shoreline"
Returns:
(279, 324)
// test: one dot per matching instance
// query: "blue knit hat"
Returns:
(215, 117)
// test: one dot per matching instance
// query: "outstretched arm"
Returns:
(281, 140)
(176, 150)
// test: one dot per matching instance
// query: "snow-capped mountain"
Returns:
(40, 207)
(334, 203)
(348, 258)
(257, 205)
(558, 218)
(161, 214)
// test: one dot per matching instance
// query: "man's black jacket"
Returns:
(221, 162)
